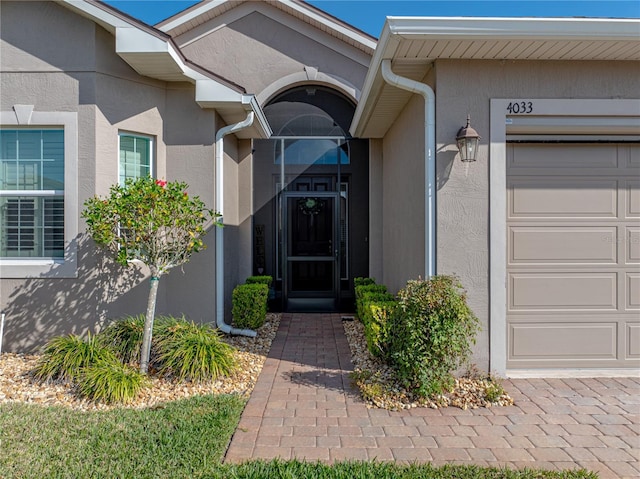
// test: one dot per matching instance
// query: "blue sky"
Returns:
(369, 15)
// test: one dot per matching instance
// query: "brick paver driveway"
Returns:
(303, 406)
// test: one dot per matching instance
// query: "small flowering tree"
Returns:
(151, 221)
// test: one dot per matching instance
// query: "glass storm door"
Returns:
(311, 250)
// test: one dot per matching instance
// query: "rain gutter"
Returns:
(219, 207)
(430, 164)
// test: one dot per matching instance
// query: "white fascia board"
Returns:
(465, 28)
(104, 18)
(130, 39)
(397, 29)
(300, 8)
(211, 93)
(187, 17)
(373, 82)
(260, 119)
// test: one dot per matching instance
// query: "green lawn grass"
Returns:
(183, 439)
(381, 470)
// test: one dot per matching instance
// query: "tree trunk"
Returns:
(148, 324)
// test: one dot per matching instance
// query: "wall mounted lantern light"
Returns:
(467, 140)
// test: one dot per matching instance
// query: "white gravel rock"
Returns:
(380, 388)
(17, 384)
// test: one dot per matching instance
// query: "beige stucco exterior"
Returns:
(462, 198)
(88, 77)
(81, 73)
(256, 46)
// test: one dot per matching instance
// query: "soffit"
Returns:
(152, 53)
(423, 40)
(391, 100)
(205, 11)
(485, 49)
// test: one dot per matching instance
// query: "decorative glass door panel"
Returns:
(312, 246)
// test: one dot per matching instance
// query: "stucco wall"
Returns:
(256, 50)
(63, 62)
(376, 218)
(462, 197)
(403, 197)
(463, 191)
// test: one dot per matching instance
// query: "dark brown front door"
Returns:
(312, 250)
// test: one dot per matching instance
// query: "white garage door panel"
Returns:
(633, 341)
(633, 156)
(563, 291)
(633, 195)
(573, 252)
(544, 197)
(633, 245)
(548, 156)
(562, 245)
(563, 340)
(633, 291)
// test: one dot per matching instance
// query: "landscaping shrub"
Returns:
(193, 352)
(111, 381)
(249, 308)
(367, 290)
(373, 305)
(360, 281)
(259, 280)
(64, 357)
(376, 317)
(124, 337)
(433, 330)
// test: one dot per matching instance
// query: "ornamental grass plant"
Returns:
(65, 357)
(124, 337)
(101, 365)
(193, 352)
(111, 382)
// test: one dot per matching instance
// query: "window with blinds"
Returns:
(136, 159)
(32, 193)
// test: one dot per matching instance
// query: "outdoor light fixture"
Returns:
(467, 140)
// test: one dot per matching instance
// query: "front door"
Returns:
(312, 249)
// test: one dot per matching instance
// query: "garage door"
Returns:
(573, 271)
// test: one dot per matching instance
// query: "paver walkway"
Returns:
(303, 406)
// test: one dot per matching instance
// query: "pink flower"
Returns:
(161, 183)
(185, 194)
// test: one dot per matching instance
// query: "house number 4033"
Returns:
(520, 107)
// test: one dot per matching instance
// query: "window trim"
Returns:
(67, 267)
(152, 145)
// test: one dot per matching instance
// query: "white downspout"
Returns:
(430, 162)
(219, 207)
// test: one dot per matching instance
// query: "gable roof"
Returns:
(414, 43)
(209, 9)
(153, 53)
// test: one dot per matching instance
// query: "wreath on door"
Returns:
(310, 206)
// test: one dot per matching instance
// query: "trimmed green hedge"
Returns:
(376, 318)
(250, 305)
(360, 281)
(374, 305)
(259, 280)
(369, 291)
